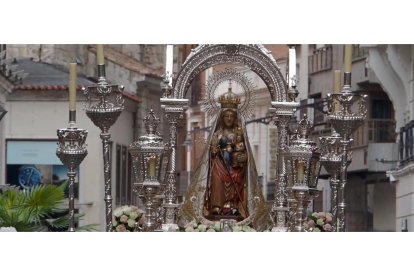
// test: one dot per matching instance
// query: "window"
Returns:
(123, 176)
(118, 175)
(358, 52)
(195, 91)
(30, 163)
(381, 109)
(381, 127)
(318, 115)
(320, 60)
(313, 108)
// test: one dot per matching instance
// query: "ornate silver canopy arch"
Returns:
(254, 56)
(209, 102)
(258, 59)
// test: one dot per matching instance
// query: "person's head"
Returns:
(229, 118)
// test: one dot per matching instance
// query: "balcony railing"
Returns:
(372, 131)
(406, 143)
(375, 131)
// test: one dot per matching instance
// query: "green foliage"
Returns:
(62, 223)
(35, 209)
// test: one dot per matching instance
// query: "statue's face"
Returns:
(229, 118)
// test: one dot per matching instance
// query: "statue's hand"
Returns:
(214, 149)
(214, 140)
(242, 158)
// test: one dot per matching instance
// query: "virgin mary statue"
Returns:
(225, 182)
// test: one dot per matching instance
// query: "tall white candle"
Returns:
(300, 170)
(337, 81)
(152, 163)
(100, 59)
(169, 61)
(348, 58)
(292, 67)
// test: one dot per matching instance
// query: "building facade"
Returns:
(369, 194)
(393, 65)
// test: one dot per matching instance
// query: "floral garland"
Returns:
(127, 218)
(319, 222)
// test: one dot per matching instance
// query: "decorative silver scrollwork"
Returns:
(256, 57)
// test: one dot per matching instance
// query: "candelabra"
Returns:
(150, 160)
(103, 106)
(345, 118)
(71, 151)
(305, 167)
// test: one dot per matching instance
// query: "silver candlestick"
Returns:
(345, 120)
(71, 151)
(331, 161)
(104, 105)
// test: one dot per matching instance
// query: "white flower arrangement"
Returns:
(214, 227)
(198, 227)
(7, 229)
(127, 218)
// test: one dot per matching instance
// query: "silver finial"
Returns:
(151, 122)
(304, 126)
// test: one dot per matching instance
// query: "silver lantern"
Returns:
(150, 160)
(305, 167)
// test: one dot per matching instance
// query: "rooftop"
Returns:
(43, 76)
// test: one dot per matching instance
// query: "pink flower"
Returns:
(311, 224)
(328, 218)
(124, 218)
(121, 228)
(327, 227)
(321, 215)
(141, 221)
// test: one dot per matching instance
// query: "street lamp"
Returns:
(150, 160)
